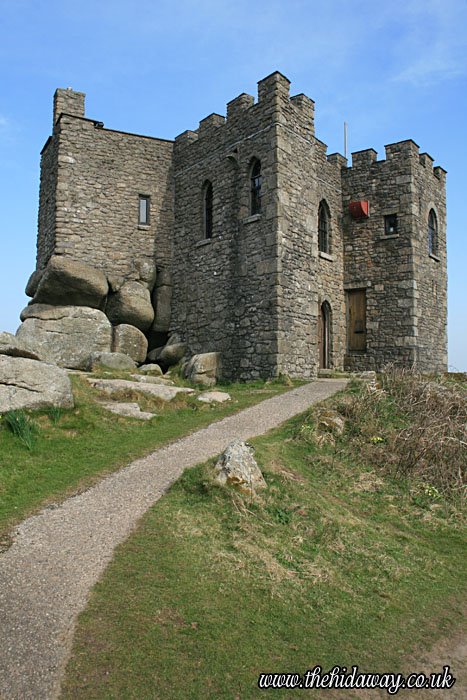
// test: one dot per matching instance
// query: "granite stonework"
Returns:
(406, 319)
(253, 283)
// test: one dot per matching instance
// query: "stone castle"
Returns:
(245, 238)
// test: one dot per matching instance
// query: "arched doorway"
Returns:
(324, 335)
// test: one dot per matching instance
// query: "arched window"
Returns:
(324, 218)
(207, 210)
(255, 187)
(432, 233)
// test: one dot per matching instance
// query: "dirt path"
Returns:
(58, 555)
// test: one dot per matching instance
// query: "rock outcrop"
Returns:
(110, 360)
(68, 282)
(115, 386)
(127, 410)
(162, 303)
(131, 305)
(65, 335)
(9, 345)
(26, 383)
(151, 369)
(171, 355)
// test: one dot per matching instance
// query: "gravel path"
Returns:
(58, 555)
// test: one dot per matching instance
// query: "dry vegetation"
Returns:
(413, 427)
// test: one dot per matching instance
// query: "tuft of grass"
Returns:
(55, 413)
(22, 426)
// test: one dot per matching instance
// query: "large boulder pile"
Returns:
(77, 312)
(79, 317)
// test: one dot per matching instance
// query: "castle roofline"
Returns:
(100, 125)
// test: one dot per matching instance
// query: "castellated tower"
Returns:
(256, 284)
(394, 263)
(252, 241)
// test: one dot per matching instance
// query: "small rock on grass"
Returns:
(148, 379)
(128, 410)
(151, 369)
(214, 397)
(237, 467)
(112, 386)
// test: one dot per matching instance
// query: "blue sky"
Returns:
(391, 70)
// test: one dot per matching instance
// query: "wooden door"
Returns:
(357, 319)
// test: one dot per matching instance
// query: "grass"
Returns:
(340, 561)
(68, 450)
(22, 426)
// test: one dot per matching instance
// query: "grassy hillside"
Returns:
(64, 451)
(354, 555)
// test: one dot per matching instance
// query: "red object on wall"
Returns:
(359, 210)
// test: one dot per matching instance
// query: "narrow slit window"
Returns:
(390, 224)
(208, 210)
(323, 228)
(255, 188)
(143, 212)
(432, 233)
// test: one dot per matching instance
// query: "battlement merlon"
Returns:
(213, 121)
(69, 102)
(273, 88)
(396, 153)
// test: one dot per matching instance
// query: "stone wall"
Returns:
(430, 270)
(308, 277)
(225, 287)
(379, 262)
(47, 203)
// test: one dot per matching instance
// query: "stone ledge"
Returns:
(434, 257)
(204, 241)
(326, 256)
(252, 218)
(388, 237)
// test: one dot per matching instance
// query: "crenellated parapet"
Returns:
(274, 104)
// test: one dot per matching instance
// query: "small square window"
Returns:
(390, 224)
(143, 211)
